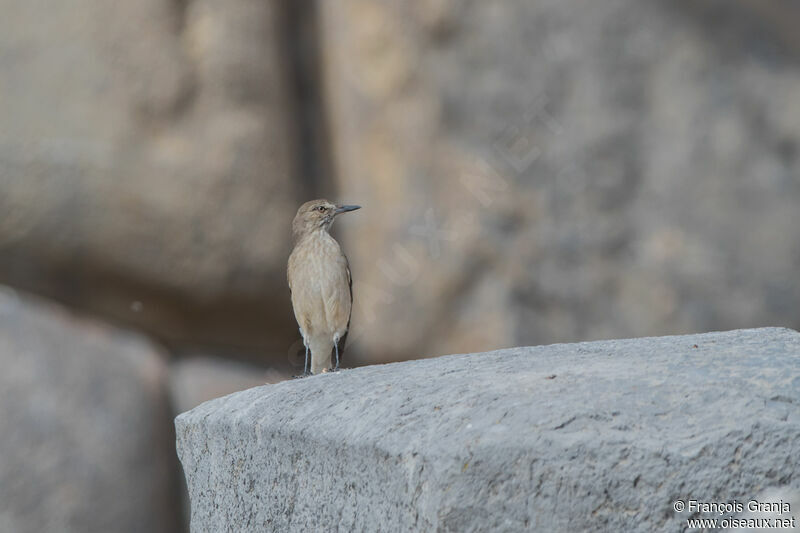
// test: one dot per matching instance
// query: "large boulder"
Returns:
(600, 436)
(549, 170)
(85, 428)
(146, 164)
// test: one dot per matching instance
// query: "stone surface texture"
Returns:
(548, 171)
(85, 432)
(599, 436)
(779, 495)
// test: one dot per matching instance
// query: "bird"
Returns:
(320, 284)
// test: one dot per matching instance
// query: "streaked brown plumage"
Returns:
(320, 284)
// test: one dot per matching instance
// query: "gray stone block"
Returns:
(85, 434)
(599, 436)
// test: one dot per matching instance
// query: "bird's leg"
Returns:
(336, 339)
(305, 368)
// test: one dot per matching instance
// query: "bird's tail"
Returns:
(321, 348)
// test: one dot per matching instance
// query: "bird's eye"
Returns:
(320, 208)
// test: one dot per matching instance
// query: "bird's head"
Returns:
(317, 215)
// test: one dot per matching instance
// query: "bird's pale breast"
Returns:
(320, 284)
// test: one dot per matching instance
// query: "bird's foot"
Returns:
(303, 375)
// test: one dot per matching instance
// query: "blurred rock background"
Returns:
(531, 171)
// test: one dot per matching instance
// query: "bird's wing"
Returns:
(350, 286)
(289, 274)
(343, 339)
